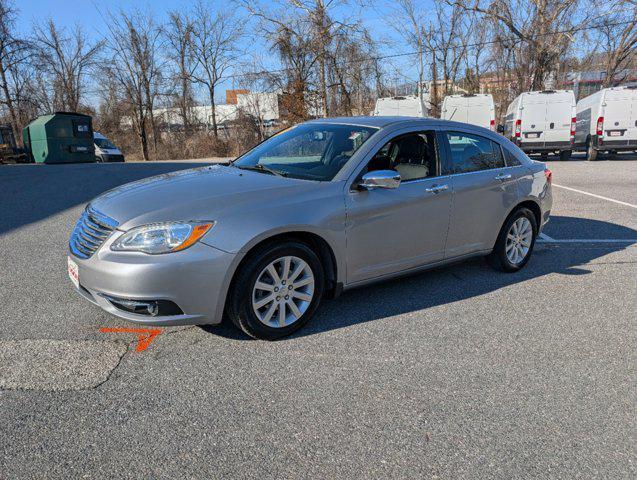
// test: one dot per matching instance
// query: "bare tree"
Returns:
(408, 22)
(67, 58)
(618, 32)
(134, 40)
(542, 28)
(214, 43)
(14, 54)
(178, 33)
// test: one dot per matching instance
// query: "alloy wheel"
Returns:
(283, 291)
(518, 242)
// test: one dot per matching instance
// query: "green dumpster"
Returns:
(63, 137)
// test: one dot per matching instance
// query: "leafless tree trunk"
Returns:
(214, 43)
(178, 34)
(14, 54)
(541, 28)
(68, 59)
(133, 43)
(618, 32)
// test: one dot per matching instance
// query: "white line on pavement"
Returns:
(544, 239)
(596, 196)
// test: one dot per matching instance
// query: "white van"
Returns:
(542, 122)
(607, 121)
(475, 109)
(406, 106)
(105, 150)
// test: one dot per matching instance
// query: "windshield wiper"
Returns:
(262, 168)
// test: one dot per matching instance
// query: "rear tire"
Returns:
(591, 152)
(254, 305)
(514, 238)
(565, 155)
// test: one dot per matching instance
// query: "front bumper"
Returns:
(195, 279)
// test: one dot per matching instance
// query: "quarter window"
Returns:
(472, 153)
(413, 156)
(511, 160)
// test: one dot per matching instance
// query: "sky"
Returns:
(91, 15)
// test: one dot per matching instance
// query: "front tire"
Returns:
(276, 291)
(515, 242)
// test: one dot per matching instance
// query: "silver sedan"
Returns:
(319, 208)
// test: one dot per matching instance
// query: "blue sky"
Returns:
(90, 15)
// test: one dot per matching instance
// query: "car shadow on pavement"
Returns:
(452, 283)
(30, 193)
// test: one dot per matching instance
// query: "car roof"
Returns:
(381, 122)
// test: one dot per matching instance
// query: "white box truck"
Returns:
(404, 106)
(542, 122)
(607, 121)
(473, 108)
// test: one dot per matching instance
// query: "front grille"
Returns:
(90, 232)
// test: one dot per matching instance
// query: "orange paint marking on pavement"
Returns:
(144, 335)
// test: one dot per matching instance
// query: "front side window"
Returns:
(310, 151)
(472, 153)
(413, 156)
(104, 143)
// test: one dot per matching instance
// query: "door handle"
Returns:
(436, 188)
(503, 176)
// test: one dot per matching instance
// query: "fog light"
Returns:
(153, 309)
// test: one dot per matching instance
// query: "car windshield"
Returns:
(104, 143)
(311, 151)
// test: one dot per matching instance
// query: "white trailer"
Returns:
(542, 122)
(405, 106)
(607, 121)
(475, 109)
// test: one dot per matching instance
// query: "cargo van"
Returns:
(105, 150)
(607, 121)
(542, 122)
(472, 108)
(406, 106)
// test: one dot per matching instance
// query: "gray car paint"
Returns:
(372, 234)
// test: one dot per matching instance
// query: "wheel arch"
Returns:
(529, 203)
(319, 245)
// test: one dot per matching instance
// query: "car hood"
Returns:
(204, 193)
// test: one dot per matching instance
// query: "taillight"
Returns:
(573, 124)
(600, 126)
(518, 127)
(492, 125)
(549, 175)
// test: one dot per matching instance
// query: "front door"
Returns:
(392, 230)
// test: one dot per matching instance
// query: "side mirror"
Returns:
(380, 179)
(500, 128)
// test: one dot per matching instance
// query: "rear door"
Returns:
(484, 190)
(559, 111)
(478, 113)
(617, 115)
(533, 120)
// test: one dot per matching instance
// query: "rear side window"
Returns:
(510, 159)
(472, 153)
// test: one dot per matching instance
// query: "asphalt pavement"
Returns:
(460, 372)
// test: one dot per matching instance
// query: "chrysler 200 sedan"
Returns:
(319, 208)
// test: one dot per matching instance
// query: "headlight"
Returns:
(161, 237)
